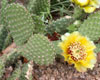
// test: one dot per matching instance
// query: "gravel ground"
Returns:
(63, 71)
(60, 70)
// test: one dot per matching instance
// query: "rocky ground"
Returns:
(63, 71)
(60, 71)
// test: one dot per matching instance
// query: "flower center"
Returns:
(77, 51)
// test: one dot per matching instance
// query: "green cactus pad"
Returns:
(39, 6)
(3, 35)
(60, 25)
(97, 48)
(20, 23)
(7, 59)
(57, 48)
(27, 70)
(78, 13)
(91, 26)
(4, 3)
(2, 66)
(39, 24)
(3, 30)
(12, 56)
(15, 75)
(8, 41)
(40, 50)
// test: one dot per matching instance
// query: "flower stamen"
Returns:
(77, 51)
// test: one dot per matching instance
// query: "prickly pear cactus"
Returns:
(97, 48)
(39, 6)
(3, 35)
(3, 6)
(3, 31)
(8, 41)
(39, 49)
(60, 25)
(27, 70)
(2, 66)
(39, 24)
(57, 48)
(20, 23)
(91, 26)
(78, 13)
(6, 60)
(16, 74)
(11, 57)
(74, 27)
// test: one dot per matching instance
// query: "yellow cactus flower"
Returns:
(88, 6)
(82, 2)
(78, 50)
(89, 9)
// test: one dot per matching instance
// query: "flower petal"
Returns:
(89, 9)
(82, 2)
(63, 37)
(80, 67)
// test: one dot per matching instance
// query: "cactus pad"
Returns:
(20, 23)
(39, 24)
(57, 48)
(3, 35)
(27, 70)
(15, 75)
(3, 6)
(40, 50)
(8, 41)
(97, 48)
(60, 25)
(7, 59)
(91, 26)
(2, 66)
(39, 6)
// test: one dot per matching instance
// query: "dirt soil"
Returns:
(63, 71)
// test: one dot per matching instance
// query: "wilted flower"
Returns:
(88, 5)
(78, 50)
